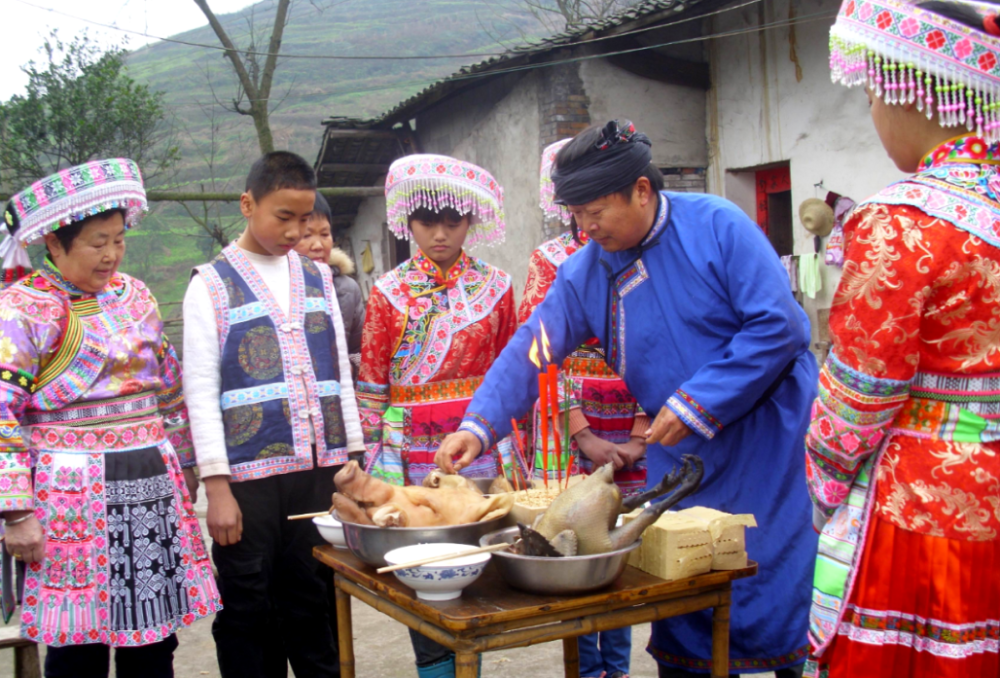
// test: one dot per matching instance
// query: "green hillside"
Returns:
(310, 90)
(219, 146)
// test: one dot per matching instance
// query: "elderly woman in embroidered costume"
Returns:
(433, 325)
(94, 438)
(606, 423)
(904, 446)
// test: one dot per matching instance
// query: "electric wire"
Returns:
(412, 57)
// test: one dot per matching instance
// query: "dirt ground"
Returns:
(382, 650)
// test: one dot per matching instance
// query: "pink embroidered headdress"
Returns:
(437, 182)
(74, 194)
(906, 54)
(547, 200)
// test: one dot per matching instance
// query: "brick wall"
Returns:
(684, 179)
(564, 111)
(564, 108)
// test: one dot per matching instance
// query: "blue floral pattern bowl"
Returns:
(443, 580)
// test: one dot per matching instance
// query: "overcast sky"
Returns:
(25, 26)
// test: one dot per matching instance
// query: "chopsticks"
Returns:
(304, 516)
(446, 556)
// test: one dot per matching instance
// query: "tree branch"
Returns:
(231, 52)
(274, 46)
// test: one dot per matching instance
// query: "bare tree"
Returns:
(553, 16)
(219, 228)
(255, 78)
(573, 13)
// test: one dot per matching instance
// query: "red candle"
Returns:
(554, 409)
(543, 401)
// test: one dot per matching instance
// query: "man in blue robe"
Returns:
(695, 313)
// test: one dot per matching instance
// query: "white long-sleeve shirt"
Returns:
(203, 366)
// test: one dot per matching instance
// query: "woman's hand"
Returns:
(667, 429)
(597, 450)
(24, 541)
(191, 480)
(225, 520)
(633, 450)
(461, 444)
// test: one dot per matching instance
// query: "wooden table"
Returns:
(493, 616)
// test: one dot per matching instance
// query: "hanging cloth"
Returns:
(835, 245)
(790, 262)
(810, 281)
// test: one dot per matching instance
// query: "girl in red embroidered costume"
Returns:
(903, 454)
(434, 325)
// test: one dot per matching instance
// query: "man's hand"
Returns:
(461, 444)
(633, 450)
(225, 520)
(191, 480)
(667, 429)
(25, 541)
(599, 451)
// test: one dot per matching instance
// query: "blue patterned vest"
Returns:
(278, 373)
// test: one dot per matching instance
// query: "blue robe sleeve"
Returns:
(510, 387)
(774, 329)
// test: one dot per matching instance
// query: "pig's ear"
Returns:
(390, 515)
(497, 506)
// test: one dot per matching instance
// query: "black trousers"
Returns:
(427, 651)
(94, 661)
(670, 672)
(276, 597)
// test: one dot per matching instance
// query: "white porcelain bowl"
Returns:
(332, 530)
(443, 580)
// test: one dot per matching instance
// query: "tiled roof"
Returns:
(592, 29)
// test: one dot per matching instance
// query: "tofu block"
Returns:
(674, 547)
(728, 535)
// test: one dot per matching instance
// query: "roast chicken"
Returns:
(581, 520)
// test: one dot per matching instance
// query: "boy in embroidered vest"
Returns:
(433, 327)
(275, 416)
(434, 324)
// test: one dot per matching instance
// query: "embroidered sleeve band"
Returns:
(694, 415)
(479, 427)
(850, 419)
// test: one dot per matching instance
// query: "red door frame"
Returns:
(774, 180)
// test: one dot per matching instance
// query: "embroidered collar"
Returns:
(965, 149)
(662, 212)
(432, 270)
(51, 273)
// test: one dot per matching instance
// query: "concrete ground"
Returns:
(382, 649)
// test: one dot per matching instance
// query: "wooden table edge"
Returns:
(680, 588)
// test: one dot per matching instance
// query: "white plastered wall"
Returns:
(672, 116)
(496, 127)
(760, 112)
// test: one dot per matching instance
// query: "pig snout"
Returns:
(346, 476)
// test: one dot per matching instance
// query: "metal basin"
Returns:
(556, 576)
(370, 543)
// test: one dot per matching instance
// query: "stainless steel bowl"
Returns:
(556, 576)
(370, 543)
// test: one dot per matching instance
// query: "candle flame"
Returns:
(533, 353)
(545, 345)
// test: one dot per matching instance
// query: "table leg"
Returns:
(345, 634)
(571, 657)
(466, 665)
(720, 641)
